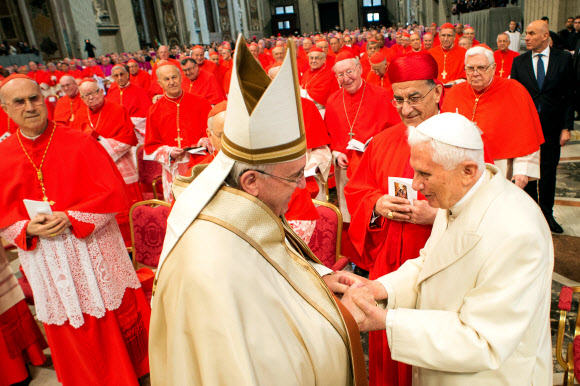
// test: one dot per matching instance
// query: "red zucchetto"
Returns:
(412, 66)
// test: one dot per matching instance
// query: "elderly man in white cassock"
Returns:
(255, 311)
(474, 307)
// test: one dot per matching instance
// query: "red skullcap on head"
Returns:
(427, 33)
(15, 76)
(377, 58)
(85, 80)
(218, 109)
(373, 40)
(315, 49)
(412, 66)
(406, 34)
(434, 24)
(447, 25)
(484, 46)
(132, 61)
(118, 66)
(196, 47)
(344, 56)
(253, 44)
(213, 54)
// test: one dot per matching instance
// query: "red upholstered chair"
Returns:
(149, 176)
(571, 365)
(325, 241)
(148, 220)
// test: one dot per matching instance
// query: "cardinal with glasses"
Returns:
(513, 139)
(387, 230)
(86, 291)
(356, 112)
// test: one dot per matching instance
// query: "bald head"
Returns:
(69, 86)
(197, 55)
(169, 78)
(23, 102)
(537, 36)
(92, 95)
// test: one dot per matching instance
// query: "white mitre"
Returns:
(452, 129)
(263, 125)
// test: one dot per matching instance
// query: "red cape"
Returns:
(511, 135)
(142, 79)
(39, 76)
(376, 114)
(66, 107)
(79, 175)
(212, 68)
(504, 62)
(373, 78)
(316, 133)
(454, 65)
(162, 122)
(133, 98)
(110, 121)
(319, 84)
(89, 72)
(206, 85)
(301, 207)
(6, 124)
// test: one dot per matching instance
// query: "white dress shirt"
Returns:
(545, 59)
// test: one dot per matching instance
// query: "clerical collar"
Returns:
(98, 108)
(455, 209)
(449, 50)
(125, 86)
(39, 135)
(174, 98)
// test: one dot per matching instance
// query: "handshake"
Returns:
(360, 297)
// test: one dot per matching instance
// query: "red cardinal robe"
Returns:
(385, 245)
(316, 136)
(450, 63)
(77, 74)
(373, 78)
(133, 98)
(66, 109)
(142, 79)
(39, 76)
(162, 122)
(212, 68)
(504, 61)
(319, 84)
(366, 66)
(265, 60)
(110, 121)
(205, 85)
(512, 135)
(376, 114)
(7, 125)
(89, 72)
(79, 176)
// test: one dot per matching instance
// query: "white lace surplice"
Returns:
(123, 158)
(71, 276)
(170, 169)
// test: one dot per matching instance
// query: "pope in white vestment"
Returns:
(238, 297)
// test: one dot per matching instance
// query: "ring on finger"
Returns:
(390, 215)
(53, 235)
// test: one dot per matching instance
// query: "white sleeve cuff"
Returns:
(392, 297)
(390, 320)
(321, 269)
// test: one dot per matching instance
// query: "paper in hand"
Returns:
(34, 208)
(402, 187)
(195, 150)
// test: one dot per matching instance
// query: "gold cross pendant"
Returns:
(444, 74)
(178, 139)
(351, 134)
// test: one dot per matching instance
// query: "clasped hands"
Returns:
(400, 209)
(360, 296)
(44, 225)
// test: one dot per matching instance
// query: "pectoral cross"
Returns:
(501, 71)
(444, 74)
(351, 134)
(178, 139)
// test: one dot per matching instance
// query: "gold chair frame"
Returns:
(568, 364)
(153, 202)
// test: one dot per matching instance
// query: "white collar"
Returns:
(470, 192)
(546, 52)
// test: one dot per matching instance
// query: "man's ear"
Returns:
(249, 182)
(469, 171)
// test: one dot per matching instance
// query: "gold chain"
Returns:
(477, 98)
(350, 133)
(38, 169)
(91, 122)
(306, 81)
(178, 139)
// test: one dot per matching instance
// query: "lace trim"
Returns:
(11, 232)
(303, 228)
(122, 155)
(71, 276)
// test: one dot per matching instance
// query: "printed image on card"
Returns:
(402, 187)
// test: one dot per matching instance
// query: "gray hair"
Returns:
(355, 60)
(239, 168)
(504, 34)
(480, 51)
(446, 155)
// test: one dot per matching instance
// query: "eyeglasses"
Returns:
(296, 181)
(19, 103)
(316, 57)
(348, 73)
(480, 69)
(412, 101)
(189, 69)
(91, 94)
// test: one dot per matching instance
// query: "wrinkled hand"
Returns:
(520, 180)
(205, 142)
(422, 213)
(399, 206)
(565, 136)
(177, 153)
(339, 282)
(365, 294)
(48, 225)
(342, 160)
(375, 317)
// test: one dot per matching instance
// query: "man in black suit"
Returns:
(547, 75)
